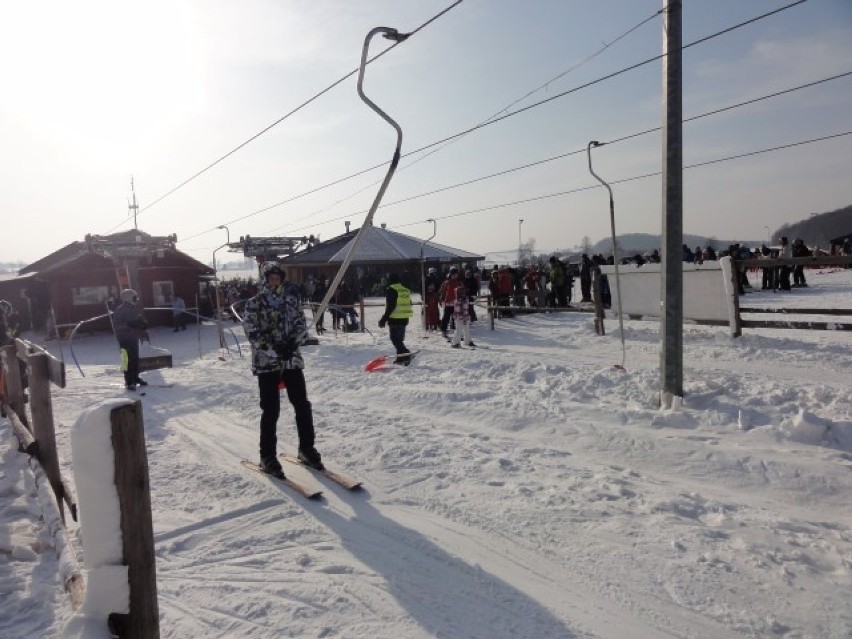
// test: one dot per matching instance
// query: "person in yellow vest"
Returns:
(397, 313)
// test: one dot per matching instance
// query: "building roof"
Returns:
(126, 244)
(378, 245)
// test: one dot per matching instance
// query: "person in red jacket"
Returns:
(447, 297)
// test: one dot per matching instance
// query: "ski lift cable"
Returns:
(634, 178)
(560, 156)
(431, 152)
(516, 112)
(282, 118)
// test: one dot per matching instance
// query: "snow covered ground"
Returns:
(524, 490)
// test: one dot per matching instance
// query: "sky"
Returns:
(98, 91)
(526, 488)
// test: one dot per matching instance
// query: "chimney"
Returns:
(347, 225)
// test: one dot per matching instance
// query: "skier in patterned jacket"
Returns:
(275, 326)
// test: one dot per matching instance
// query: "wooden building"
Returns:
(78, 280)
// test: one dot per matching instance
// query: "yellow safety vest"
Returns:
(403, 303)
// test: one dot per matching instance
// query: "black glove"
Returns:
(383, 321)
(287, 349)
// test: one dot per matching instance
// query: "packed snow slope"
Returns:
(529, 489)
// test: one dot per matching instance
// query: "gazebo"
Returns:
(380, 252)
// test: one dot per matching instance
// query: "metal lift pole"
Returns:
(671, 285)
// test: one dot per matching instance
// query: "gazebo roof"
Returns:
(378, 245)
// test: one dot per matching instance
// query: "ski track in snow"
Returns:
(525, 490)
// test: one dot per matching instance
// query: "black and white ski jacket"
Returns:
(272, 318)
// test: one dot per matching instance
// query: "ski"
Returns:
(349, 483)
(140, 386)
(381, 362)
(303, 490)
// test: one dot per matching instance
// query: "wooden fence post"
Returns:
(41, 407)
(14, 387)
(737, 329)
(596, 297)
(137, 529)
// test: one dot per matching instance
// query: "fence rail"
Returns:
(36, 437)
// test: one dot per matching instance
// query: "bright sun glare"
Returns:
(101, 78)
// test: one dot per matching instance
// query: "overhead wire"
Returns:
(282, 118)
(583, 150)
(544, 85)
(514, 113)
(634, 178)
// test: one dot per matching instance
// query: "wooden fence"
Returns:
(712, 300)
(36, 435)
(738, 266)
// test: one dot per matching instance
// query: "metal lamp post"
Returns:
(218, 303)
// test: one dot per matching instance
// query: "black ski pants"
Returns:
(131, 369)
(396, 331)
(449, 309)
(270, 406)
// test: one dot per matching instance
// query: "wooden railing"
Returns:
(36, 436)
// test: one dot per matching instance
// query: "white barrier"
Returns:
(708, 294)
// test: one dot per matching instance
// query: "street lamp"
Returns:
(520, 222)
(218, 303)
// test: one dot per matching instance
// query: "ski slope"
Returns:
(527, 489)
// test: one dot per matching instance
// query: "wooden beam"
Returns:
(56, 368)
(800, 311)
(41, 407)
(812, 260)
(813, 326)
(14, 385)
(25, 438)
(137, 531)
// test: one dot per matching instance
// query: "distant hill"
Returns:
(632, 243)
(819, 229)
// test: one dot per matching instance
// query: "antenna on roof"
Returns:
(131, 204)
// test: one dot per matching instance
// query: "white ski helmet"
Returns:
(128, 295)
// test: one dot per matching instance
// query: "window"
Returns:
(164, 293)
(89, 295)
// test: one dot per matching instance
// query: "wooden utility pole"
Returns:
(671, 286)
